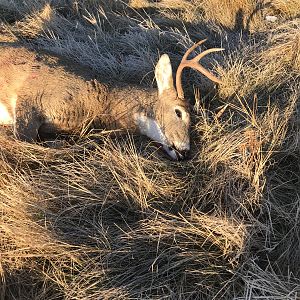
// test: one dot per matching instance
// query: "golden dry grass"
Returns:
(110, 217)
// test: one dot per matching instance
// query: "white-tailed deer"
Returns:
(42, 93)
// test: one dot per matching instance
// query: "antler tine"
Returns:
(191, 49)
(204, 53)
(194, 64)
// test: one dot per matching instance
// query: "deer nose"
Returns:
(183, 155)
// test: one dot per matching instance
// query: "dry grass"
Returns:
(108, 216)
(263, 68)
(290, 8)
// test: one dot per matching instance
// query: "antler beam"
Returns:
(194, 64)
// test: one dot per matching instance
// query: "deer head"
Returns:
(171, 121)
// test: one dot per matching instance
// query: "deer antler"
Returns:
(194, 64)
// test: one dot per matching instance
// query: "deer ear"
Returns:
(163, 74)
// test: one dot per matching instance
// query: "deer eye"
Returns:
(178, 113)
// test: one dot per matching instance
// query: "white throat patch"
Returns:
(5, 117)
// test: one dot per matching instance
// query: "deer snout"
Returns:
(182, 146)
(183, 151)
(183, 155)
(178, 152)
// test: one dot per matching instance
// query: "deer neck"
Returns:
(125, 107)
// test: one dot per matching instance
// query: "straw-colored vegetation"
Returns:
(110, 217)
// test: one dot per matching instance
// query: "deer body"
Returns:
(42, 94)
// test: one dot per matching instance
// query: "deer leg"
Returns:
(27, 121)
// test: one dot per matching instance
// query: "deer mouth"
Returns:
(174, 153)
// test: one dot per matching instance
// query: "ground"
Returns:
(110, 217)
